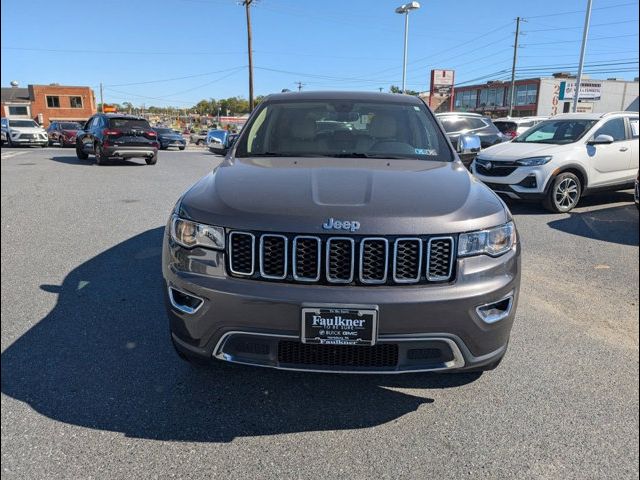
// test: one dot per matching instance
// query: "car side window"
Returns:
(615, 128)
(634, 126)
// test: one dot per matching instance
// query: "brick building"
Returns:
(547, 96)
(46, 103)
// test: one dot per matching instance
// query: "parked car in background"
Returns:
(4, 130)
(63, 133)
(564, 158)
(169, 138)
(220, 141)
(107, 135)
(457, 124)
(199, 137)
(24, 132)
(515, 126)
(636, 193)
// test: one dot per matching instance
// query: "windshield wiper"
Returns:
(367, 155)
(279, 154)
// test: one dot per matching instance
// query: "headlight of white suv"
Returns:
(493, 241)
(534, 161)
(191, 234)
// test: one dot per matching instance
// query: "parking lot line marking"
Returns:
(6, 155)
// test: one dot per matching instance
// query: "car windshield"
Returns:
(23, 124)
(556, 131)
(70, 126)
(505, 127)
(342, 128)
(164, 131)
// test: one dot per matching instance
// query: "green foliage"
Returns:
(395, 89)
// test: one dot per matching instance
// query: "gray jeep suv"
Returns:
(367, 247)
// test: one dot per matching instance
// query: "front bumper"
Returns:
(252, 322)
(518, 184)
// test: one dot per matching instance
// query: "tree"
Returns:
(395, 89)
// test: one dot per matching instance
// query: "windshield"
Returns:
(23, 124)
(556, 132)
(337, 128)
(505, 127)
(70, 126)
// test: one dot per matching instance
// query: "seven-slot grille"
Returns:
(341, 260)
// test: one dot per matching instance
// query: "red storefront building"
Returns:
(46, 103)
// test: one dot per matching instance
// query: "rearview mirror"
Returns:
(469, 144)
(602, 140)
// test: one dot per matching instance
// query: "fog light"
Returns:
(529, 182)
(185, 302)
(496, 311)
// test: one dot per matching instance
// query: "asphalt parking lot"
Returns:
(91, 387)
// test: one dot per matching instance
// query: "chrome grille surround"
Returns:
(341, 260)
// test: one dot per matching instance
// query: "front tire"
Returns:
(200, 142)
(81, 154)
(564, 193)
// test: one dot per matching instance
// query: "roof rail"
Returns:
(606, 114)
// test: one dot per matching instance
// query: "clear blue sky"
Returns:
(328, 44)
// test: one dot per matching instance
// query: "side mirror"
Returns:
(469, 144)
(601, 140)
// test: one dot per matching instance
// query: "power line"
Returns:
(577, 41)
(582, 11)
(556, 28)
(174, 78)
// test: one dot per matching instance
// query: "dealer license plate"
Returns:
(339, 326)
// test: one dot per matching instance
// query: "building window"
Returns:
(76, 102)
(466, 99)
(53, 102)
(18, 110)
(526, 94)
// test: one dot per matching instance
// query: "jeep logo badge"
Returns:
(350, 225)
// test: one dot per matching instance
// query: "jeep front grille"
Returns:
(341, 259)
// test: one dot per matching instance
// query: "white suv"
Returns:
(563, 158)
(23, 132)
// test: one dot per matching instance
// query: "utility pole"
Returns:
(300, 85)
(512, 93)
(585, 34)
(247, 6)
(101, 99)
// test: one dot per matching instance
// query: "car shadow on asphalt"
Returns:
(617, 224)
(112, 162)
(593, 200)
(102, 359)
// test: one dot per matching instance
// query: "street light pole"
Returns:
(247, 6)
(585, 34)
(405, 9)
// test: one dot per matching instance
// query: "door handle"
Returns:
(623, 149)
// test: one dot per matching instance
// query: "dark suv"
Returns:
(461, 123)
(107, 135)
(363, 249)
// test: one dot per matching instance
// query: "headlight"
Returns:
(190, 234)
(493, 241)
(14, 132)
(534, 161)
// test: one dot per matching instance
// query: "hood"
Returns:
(28, 129)
(514, 151)
(298, 195)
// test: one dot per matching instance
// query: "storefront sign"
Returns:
(588, 90)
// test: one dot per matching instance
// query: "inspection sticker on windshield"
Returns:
(425, 151)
